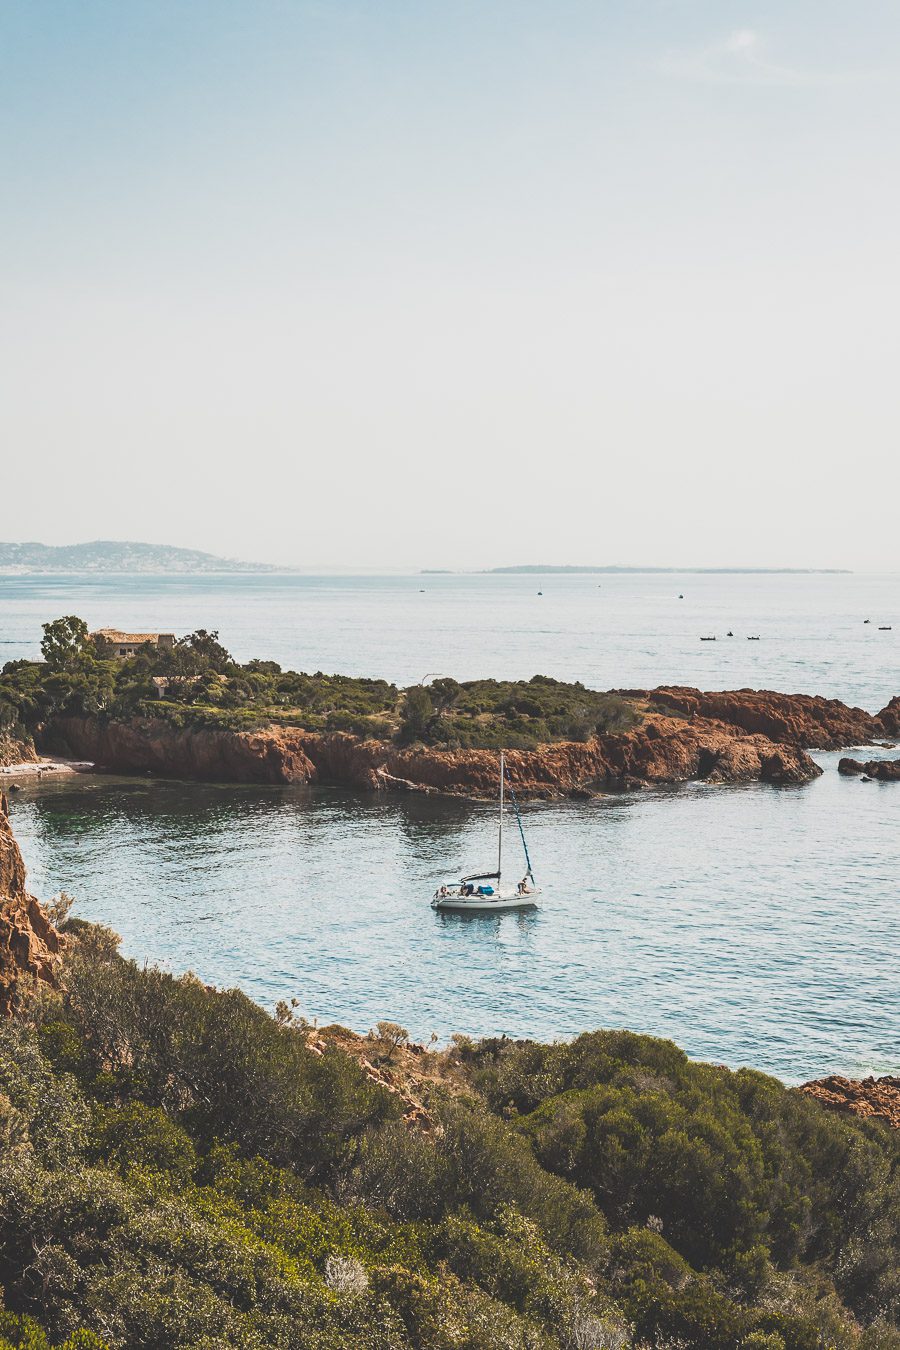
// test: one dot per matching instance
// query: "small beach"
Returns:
(37, 769)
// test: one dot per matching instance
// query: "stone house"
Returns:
(127, 644)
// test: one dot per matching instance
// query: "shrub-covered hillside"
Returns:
(197, 683)
(179, 1169)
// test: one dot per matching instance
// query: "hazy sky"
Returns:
(453, 282)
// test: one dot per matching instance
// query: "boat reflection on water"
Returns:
(491, 920)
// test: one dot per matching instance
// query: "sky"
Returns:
(453, 283)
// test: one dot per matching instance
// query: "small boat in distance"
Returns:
(475, 894)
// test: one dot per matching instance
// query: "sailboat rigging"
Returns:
(472, 894)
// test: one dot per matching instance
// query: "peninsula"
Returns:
(185, 708)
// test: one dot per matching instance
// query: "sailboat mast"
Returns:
(500, 831)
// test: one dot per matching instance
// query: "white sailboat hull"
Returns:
(463, 899)
(485, 904)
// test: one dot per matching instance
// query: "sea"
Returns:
(754, 925)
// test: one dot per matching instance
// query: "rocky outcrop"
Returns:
(788, 719)
(869, 1098)
(684, 734)
(272, 755)
(889, 717)
(412, 1072)
(29, 944)
(12, 868)
(887, 770)
(661, 750)
(15, 750)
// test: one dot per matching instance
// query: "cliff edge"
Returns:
(789, 719)
(30, 946)
(676, 740)
(16, 750)
(680, 735)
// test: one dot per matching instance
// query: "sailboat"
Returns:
(476, 894)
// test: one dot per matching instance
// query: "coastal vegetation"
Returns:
(197, 683)
(179, 1169)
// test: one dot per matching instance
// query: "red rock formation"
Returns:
(29, 944)
(661, 750)
(887, 770)
(412, 1072)
(16, 751)
(869, 1098)
(789, 719)
(889, 717)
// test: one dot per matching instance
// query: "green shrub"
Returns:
(206, 689)
(135, 1135)
(179, 1170)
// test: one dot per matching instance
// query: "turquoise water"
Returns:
(754, 925)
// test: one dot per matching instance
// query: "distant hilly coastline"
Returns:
(129, 556)
(111, 555)
(545, 569)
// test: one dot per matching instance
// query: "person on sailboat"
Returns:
(523, 885)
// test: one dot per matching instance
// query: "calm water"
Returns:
(753, 925)
(609, 631)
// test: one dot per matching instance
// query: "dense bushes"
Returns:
(742, 1177)
(178, 1169)
(198, 684)
(512, 714)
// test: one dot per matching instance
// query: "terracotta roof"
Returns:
(114, 635)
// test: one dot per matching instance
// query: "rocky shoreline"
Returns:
(682, 735)
(886, 770)
(868, 1098)
(30, 946)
